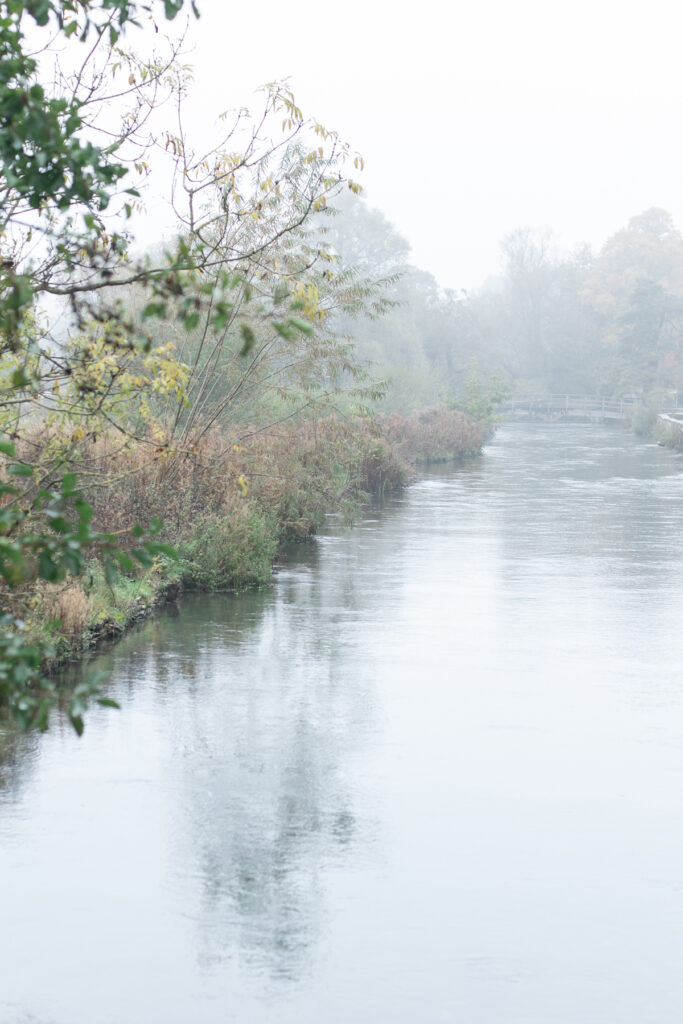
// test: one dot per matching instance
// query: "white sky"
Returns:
(473, 118)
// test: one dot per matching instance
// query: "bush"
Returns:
(435, 435)
(228, 504)
(230, 551)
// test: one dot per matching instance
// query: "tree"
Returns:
(635, 288)
(52, 174)
(528, 271)
(239, 260)
(403, 305)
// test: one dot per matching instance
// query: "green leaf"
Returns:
(154, 309)
(19, 378)
(47, 568)
(40, 10)
(111, 573)
(143, 557)
(301, 325)
(77, 722)
(171, 8)
(73, 562)
(157, 548)
(41, 718)
(248, 338)
(284, 330)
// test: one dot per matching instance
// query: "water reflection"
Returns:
(266, 797)
(18, 755)
(433, 773)
(268, 701)
(270, 787)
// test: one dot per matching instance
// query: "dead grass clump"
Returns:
(69, 607)
(434, 435)
(296, 473)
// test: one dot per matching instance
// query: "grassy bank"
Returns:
(228, 506)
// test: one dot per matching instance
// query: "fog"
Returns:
(473, 119)
(429, 769)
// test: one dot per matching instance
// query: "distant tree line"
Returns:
(606, 323)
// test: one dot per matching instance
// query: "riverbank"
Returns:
(669, 431)
(227, 509)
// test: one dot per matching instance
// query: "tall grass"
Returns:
(228, 505)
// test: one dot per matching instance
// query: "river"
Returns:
(434, 773)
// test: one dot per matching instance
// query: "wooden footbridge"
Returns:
(581, 408)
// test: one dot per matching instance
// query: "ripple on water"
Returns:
(432, 773)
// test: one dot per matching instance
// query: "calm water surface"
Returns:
(435, 773)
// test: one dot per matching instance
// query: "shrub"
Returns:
(227, 504)
(435, 435)
(226, 551)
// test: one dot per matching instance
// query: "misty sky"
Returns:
(473, 118)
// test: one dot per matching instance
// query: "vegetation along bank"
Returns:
(227, 509)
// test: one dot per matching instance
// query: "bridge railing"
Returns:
(578, 404)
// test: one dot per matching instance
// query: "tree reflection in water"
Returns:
(265, 701)
(266, 757)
